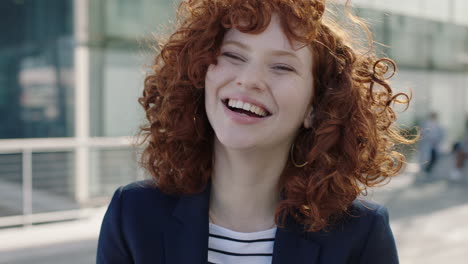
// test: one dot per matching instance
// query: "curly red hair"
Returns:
(351, 144)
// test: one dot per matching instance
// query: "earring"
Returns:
(293, 161)
(195, 116)
(195, 120)
(308, 121)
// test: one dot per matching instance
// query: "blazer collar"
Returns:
(186, 238)
(292, 245)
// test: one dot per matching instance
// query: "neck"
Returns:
(245, 193)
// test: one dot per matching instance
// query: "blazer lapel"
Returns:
(186, 238)
(291, 246)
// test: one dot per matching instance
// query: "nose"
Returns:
(252, 77)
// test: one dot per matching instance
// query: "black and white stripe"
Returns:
(226, 246)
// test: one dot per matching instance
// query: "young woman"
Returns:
(265, 125)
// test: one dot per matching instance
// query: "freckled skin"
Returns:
(256, 66)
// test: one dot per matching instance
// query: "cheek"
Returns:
(211, 80)
(220, 71)
(218, 76)
(294, 97)
(210, 73)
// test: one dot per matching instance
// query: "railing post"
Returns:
(27, 187)
(82, 58)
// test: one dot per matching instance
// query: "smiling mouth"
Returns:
(245, 108)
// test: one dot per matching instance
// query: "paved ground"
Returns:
(75, 252)
(428, 215)
(72, 242)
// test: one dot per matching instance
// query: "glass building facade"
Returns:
(53, 50)
(432, 64)
(120, 33)
(38, 77)
(36, 69)
(37, 73)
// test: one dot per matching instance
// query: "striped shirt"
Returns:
(226, 246)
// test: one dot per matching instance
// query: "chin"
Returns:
(237, 142)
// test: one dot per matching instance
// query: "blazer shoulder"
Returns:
(379, 246)
(367, 209)
(144, 197)
(137, 213)
(143, 188)
(361, 235)
(143, 185)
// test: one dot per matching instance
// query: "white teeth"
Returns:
(258, 111)
(254, 109)
(247, 107)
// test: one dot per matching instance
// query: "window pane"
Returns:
(121, 35)
(11, 189)
(53, 182)
(36, 69)
(111, 168)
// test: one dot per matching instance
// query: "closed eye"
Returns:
(232, 56)
(284, 68)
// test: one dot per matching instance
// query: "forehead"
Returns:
(273, 38)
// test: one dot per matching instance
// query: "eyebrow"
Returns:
(236, 43)
(285, 53)
(274, 52)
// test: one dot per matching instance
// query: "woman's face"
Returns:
(266, 77)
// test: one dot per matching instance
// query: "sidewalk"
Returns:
(428, 217)
(58, 243)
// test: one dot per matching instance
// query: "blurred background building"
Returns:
(71, 72)
(429, 41)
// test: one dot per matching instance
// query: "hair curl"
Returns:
(351, 144)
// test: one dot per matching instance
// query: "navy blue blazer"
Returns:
(144, 225)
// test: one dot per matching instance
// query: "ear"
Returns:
(308, 118)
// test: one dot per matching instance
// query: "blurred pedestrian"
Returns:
(460, 152)
(264, 127)
(432, 135)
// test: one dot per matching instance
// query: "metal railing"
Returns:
(57, 184)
